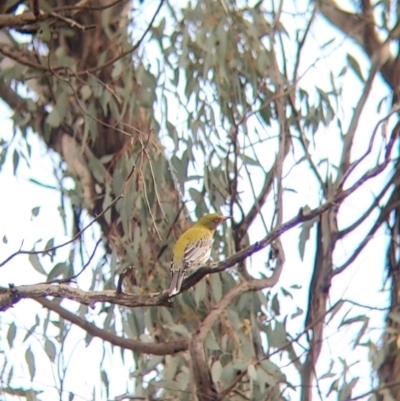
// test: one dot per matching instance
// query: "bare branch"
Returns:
(129, 51)
(376, 390)
(35, 8)
(26, 18)
(74, 238)
(372, 207)
(361, 29)
(29, 17)
(199, 360)
(167, 348)
(393, 203)
(10, 296)
(75, 276)
(14, 294)
(352, 167)
(379, 59)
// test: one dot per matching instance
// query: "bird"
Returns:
(193, 249)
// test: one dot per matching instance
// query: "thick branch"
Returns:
(12, 295)
(14, 21)
(360, 28)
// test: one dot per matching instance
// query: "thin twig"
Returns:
(76, 236)
(129, 51)
(69, 279)
(375, 390)
(73, 239)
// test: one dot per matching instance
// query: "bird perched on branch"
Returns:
(193, 249)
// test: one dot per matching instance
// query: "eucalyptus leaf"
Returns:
(30, 360)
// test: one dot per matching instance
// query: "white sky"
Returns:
(363, 281)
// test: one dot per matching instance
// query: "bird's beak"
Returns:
(227, 218)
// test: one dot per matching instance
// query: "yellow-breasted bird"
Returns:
(193, 248)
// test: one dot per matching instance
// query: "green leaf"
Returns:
(12, 331)
(15, 161)
(106, 202)
(252, 372)
(96, 168)
(277, 335)
(298, 313)
(228, 373)
(106, 159)
(50, 349)
(168, 385)
(86, 92)
(304, 236)
(180, 329)
(48, 249)
(216, 371)
(359, 318)
(200, 292)
(104, 379)
(296, 286)
(54, 118)
(346, 390)
(35, 211)
(60, 269)
(250, 161)
(275, 305)
(355, 66)
(44, 32)
(117, 70)
(211, 342)
(286, 293)
(216, 286)
(35, 262)
(30, 360)
(32, 329)
(269, 373)
(266, 114)
(3, 154)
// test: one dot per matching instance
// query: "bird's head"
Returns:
(213, 220)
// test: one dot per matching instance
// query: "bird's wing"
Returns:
(197, 252)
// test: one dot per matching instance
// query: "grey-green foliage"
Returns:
(213, 93)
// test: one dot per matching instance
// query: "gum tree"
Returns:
(159, 112)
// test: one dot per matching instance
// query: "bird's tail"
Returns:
(176, 282)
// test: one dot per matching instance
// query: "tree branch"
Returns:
(165, 348)
(202, 375)
(361, 29)
(73, 239)
(12, 295)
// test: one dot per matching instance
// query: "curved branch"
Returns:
(13, 294)
(164, 348)
(243, 287)
(201, 373)
(342, 233)
(352, 24)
